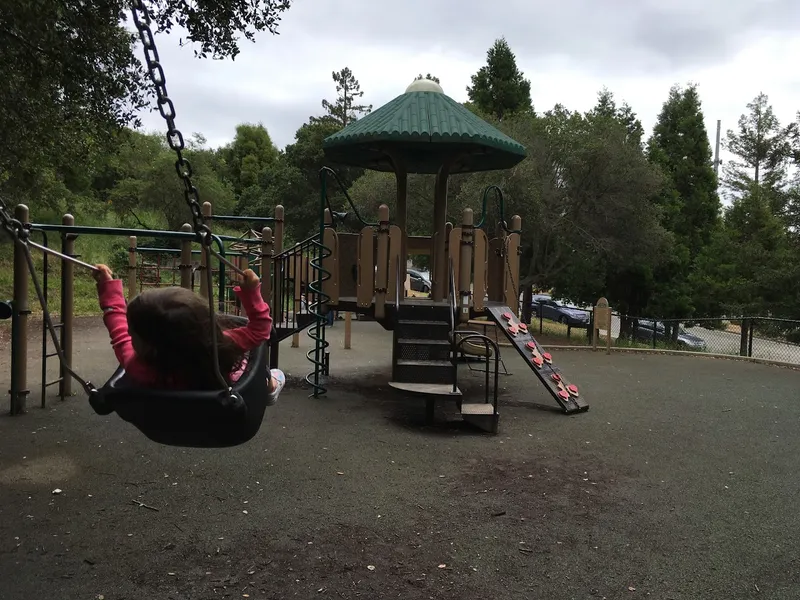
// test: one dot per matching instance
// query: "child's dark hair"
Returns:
(174, 326)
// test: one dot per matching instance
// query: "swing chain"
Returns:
(141, 19)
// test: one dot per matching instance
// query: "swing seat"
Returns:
(197, 419)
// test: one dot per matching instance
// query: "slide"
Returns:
(565, 393)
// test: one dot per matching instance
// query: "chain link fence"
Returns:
(758, 337)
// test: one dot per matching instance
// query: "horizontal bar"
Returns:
(52, 252)
(241, 219)
(233, 238)
(85, 230)
(178, 251)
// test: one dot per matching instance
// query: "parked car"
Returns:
(554, 310)
(686, 340)
(419, 282)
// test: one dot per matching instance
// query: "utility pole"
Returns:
(716, 151)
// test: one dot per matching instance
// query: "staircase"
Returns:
(422, 358)
(424, 361)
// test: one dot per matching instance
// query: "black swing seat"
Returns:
(199, 419)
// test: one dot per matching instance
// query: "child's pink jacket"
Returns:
(112, 302)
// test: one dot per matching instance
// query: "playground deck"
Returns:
(678, 484)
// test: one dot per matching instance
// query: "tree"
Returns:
(72, 79)
(428, 76)
(344, 109)
(580, 195)
(499, 88)
(747, 269)
(248, 156)
(606, 108)
(762, 148)
(688, 199)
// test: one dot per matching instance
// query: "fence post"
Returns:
(602, 320)
(19, 323)
(67, 308)
(186, 259)
(750, 338)
(132, 268)
(743, 333)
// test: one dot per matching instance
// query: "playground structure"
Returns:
(474, 266)
(474, 276)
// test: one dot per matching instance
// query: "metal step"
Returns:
(427, 330)
(435, 389)
(423, 371)
(477, 408)
(422, 350)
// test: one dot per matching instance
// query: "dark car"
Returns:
(554, 310)
(419, 283)
(645, 333)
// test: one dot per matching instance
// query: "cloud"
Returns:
(569, 49)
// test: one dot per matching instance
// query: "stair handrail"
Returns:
(326, 203)
(489, 344)
(501, 207)
(397, 284)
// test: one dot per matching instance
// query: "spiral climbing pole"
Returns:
(318, 302)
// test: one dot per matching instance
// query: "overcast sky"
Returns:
(569, 49)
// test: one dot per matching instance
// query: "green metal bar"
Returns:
(178, 251)
(233, 238)
(85, 230)
(242, 219)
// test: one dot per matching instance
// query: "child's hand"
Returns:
(250, 280)
(103, 273)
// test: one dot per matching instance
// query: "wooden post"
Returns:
(279, 216)
(382, 272)
(132, 283)
(266, 266)
(19, 323)
(67, 308)
(348, 329)
(465, 264)
(601, 320)
(511, 288)
(204, 291)
(186, 259)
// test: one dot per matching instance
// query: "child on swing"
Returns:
(164, 339)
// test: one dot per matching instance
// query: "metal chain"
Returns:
(141, 19)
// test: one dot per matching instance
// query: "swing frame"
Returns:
(228, 416)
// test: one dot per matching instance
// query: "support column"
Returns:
(465, 264)
(67, 307)
(439, 258)
(401, 216)
(19, 323)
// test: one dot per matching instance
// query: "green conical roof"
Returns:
(423, 129)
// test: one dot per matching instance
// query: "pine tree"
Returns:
(606, 107)
(499, 88)
(763, 149)
(344, 109)
(688, 200)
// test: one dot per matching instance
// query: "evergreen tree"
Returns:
(344, 109)
(762, 148)
(499, 88)
(688, 200)
(606, 108)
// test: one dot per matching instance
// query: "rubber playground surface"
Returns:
(679, 483)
